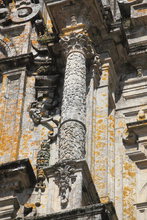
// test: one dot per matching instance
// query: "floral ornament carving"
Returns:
(64, 178)
(77, 42)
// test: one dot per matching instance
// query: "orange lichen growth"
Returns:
(6, 39)
(112, 171)
(143, 10)
(30, 205)
(105, 199)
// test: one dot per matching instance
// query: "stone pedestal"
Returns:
(70, 185)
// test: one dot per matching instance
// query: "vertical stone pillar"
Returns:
(72, 132)
(71, 174)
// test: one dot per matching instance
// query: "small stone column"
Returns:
(72, 131)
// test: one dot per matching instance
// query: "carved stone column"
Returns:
(72, 131)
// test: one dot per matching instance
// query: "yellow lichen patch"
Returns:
(121, 124)
(143, 10)
(100, 145)
(105, 199)
(30, 205)
(112, 170)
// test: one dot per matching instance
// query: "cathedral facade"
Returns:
(73, 109)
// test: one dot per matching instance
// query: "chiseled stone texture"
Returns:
(74, 94)
(72, 131)
(72, 141)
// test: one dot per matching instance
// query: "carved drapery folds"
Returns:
(72, 132)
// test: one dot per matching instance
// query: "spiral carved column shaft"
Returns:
(72, 131)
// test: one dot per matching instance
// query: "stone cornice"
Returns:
(91, 211)
(16, 175)
(16, 62)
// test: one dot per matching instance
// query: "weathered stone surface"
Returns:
(100, 46)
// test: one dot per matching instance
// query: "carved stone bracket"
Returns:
(64, 178)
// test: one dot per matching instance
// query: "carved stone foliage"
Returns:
(64, 178)
(72, 141)
(77, 42)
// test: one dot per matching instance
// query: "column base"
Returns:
(70, 185)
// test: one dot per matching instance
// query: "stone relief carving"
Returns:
(77, 42)
(23, 11)
(72, 141)
(96, 70)
(74, 88)
(41, 115)
(64, 178)
(77, 48)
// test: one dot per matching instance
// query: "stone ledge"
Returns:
(16, 175)
(16, 61)
(98, 211)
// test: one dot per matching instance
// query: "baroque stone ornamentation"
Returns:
(72, 141)
(72, 131)
(43, 157)
(96, 70)
(77, 42)
(40, 115)
(64, 178)
(24, 11)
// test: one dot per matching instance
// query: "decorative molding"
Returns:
(24, 11)
(77, 42)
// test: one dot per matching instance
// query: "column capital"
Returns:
(77, 42)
